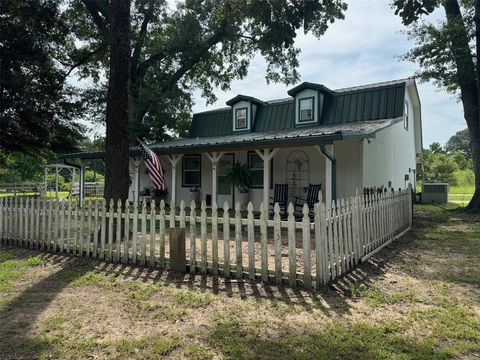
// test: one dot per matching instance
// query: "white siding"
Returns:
(391, 154)
(348, 155)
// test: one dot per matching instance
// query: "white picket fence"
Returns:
(309, 253)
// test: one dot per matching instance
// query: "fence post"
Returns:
(264, 241)
(214, 237)
(161, 250)
(226, 240)
(153, 232)
(277, 243)
(319, 254)
(292, 247)
(251, 242)
(177, 250)
(119, 232)
(203, 237)
(411, 194)
(307, 270)
(193, 238)
(238, 241)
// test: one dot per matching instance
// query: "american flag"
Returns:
(154, 167)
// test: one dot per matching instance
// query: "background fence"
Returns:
(229, 242)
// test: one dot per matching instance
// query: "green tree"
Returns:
(18, 167)
(460, 142)
(462, 161)
(436, 148)
(37, 107)
(197, 45)
(200, 44)
(448, 53)
(440, 167)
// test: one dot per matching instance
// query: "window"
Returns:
(405, 116)
(241, 119)
(191, 171)
(255, 165)
(306, 110)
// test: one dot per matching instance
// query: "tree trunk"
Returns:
(116, 142)
(468, 82)
(474, 127)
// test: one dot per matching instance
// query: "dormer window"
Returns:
(306, 109)
(244, 109)
(241, 118)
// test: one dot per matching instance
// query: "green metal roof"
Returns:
(363, 103)
(258, 140)
(348, 113)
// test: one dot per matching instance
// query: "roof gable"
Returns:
(343, 106)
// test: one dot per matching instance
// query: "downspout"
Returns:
(333, 162)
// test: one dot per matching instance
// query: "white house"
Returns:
(344, 139)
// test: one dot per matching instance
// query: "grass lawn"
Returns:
(50, 194)
(417, 299)
(461, 194)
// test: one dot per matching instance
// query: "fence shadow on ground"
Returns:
(19, 317)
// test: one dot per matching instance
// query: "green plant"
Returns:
(240, 177)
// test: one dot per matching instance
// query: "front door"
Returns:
(225, 190)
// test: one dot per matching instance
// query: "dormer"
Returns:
(244, 109)
(309, 99)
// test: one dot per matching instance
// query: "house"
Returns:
(344, 139)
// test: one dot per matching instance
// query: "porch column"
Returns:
(173, 161)
(136, 178)
(81, 185)
(266, 155)
(330, 173)
(214, 157)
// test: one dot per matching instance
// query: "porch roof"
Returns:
(259, 140)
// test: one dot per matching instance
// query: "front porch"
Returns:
(336, 166)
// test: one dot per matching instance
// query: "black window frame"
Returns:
(183, 170)
(246, 118)
(300, 121)
(271, 170)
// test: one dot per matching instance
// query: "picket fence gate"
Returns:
(309, 253)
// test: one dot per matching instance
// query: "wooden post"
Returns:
(177, 250)
(267, 155)
(136, 178)
(81, 185)
(173, 161)
(411, 194)
(214, 158)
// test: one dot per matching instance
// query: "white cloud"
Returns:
(361, 49)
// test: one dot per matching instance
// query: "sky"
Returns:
(361, 49)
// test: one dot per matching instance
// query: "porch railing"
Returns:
(228, 242)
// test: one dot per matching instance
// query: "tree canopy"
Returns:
(460, 142)
(448, 53)
(200, 45)
(37, 106)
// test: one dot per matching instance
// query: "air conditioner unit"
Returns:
(435, 193)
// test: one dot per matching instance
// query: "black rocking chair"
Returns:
(280, 196)
(311, 199)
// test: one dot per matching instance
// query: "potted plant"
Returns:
(241, 178)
